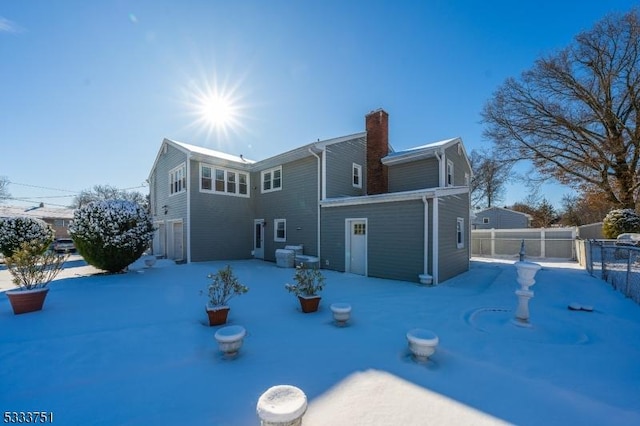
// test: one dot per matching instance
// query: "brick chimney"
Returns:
(377, 127)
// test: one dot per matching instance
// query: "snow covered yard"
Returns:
(134, 348)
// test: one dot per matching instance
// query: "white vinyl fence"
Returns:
(557, 243)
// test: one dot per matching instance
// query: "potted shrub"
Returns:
(309, 282)
(223, 287)
(32, 269)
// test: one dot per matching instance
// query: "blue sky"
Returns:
(88, 90)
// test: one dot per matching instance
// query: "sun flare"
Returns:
(216, 108)
(217, 111)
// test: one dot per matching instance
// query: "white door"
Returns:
(356, 246)
(175, 246)
(159, 239)
(258, 238)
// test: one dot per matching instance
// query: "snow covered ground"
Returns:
(134, 348)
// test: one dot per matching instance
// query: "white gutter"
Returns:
(324, 173)
(189, 207)
(320, 193)
(425, 278)
(434, 269)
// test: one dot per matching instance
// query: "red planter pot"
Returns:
(217, 316)
(23, 301)
(309, 303)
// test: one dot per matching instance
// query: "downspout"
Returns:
(425, 278)
(441, 169)
(189, 207)
(434, 269)
(320, 194)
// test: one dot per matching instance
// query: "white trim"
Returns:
(450, 167)
(275, 230)
(188, 218)
(170, 249)
(318, 195)
(356, 167)
(394, 196)
(271, 171)
(183, 186)
(226, 172)
(324, 173)
(435, 247)
(460, 237)
(425, 242)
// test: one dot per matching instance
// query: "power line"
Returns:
(43, 187)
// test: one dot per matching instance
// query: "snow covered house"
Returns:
(58, 218)
(352, 201)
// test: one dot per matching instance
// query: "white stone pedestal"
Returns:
(282, 405)
(526, 274)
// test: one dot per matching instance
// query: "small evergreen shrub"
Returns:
(619, 221)
(309, 281)
(111, 234)
(14, 231)
(223, 286)
(32, 268)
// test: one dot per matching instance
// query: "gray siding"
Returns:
(451, 259)
(460, 165)
(414, 175)
(395, 248)
(500, 219)
(297, 202)
(221, 225)
(159, 189)
(340, 158)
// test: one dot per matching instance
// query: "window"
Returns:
(219, 180)
(280, 230)
(467, 179)
(485, 220)
(242, 188)
(177, 179)
(231, 182)
(359, 229)
(272, 179)
(205, 179)
(460, 232)
(449, 173)
(357, 175)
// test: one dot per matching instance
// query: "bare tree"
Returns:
(4, 192)
(575, 113)
(107, 192)
(489, 178)
(584, 208)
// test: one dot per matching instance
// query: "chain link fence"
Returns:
(617, 264)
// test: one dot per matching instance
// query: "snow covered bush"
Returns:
(617, 222)
(111, 234)
(14, 231)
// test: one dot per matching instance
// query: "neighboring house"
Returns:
(58, 218)
(351, 201)
(501, 218)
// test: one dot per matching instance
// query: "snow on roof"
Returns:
(212, 153)
(419, 151)
(37, 212)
